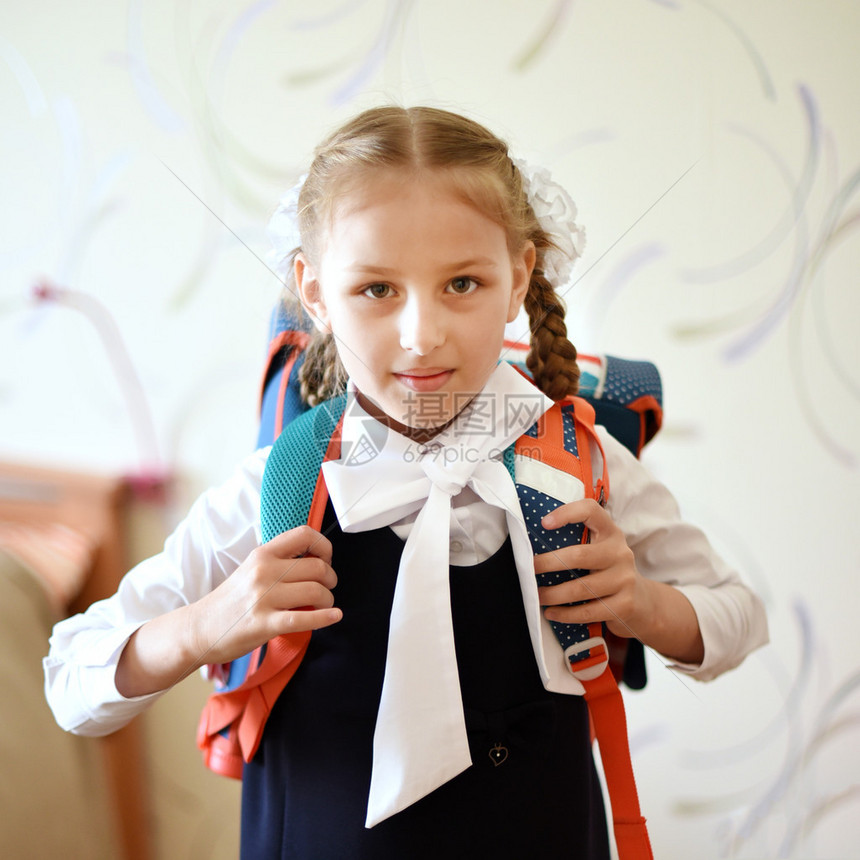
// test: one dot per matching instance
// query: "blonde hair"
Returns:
(423, 138)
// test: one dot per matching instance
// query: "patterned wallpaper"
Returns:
(713, 149)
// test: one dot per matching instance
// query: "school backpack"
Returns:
(627, 395)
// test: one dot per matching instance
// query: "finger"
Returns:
(301, 595)
(602, 611)
(587, 556)
(564, 558)
(585, 511)
(582, 613)
(585, 588)
(304, 569)
(300, 541)
(301, 620)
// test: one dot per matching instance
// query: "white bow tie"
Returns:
(420, 740)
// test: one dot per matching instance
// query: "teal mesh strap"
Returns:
(293, 467)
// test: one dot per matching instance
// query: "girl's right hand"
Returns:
(283, 586)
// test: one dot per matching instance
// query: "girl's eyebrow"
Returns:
(460, 265)
(475, 261)
(369, 268)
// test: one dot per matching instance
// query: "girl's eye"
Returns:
(463, 286)
(377, 291)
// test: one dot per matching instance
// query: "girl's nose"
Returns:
(422, 327)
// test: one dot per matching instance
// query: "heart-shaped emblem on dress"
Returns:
(498, 754)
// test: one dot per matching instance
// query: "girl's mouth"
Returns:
(430, 379)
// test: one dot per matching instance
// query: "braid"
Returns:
(322, 375)
(552, 357)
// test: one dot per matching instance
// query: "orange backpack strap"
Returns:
(286, 347)
(602, 694)
(573, 446)
(609, 722)
(232, 722)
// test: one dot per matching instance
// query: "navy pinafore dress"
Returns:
(532, 789)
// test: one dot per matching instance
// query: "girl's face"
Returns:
(416, 286)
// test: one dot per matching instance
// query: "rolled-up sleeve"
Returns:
(731, 616)
(221, 529)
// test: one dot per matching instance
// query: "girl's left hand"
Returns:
(657, 614)
(614, 591)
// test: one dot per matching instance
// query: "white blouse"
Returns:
(223, 526)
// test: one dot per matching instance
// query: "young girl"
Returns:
(419, 243)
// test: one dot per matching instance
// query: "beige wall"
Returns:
(713, 149)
